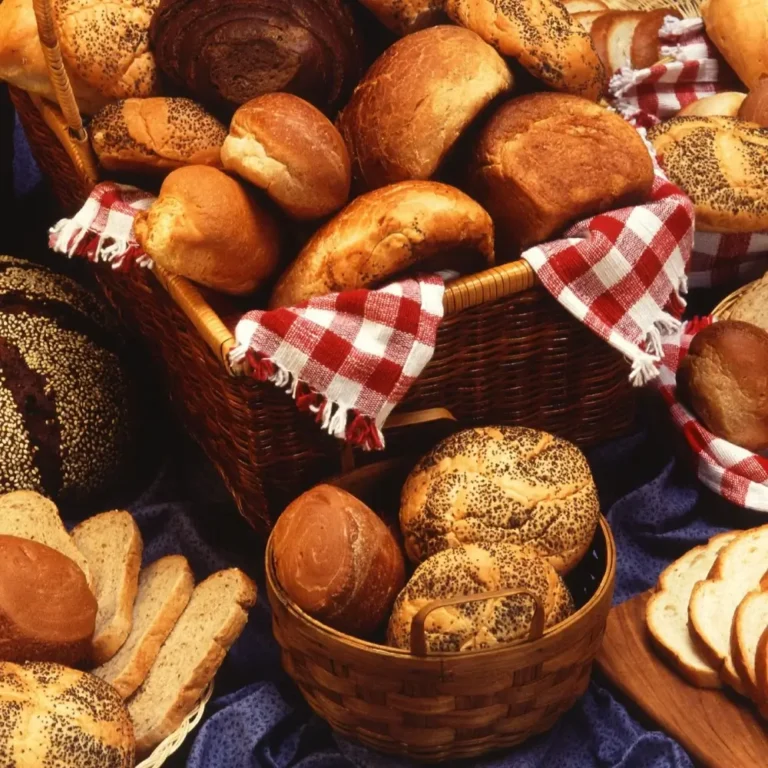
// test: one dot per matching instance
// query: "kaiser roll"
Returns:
(473, 570)
(501, 484)
(420, 225)
(406, 16)
(337, 560)
(754, 108)
(55, 716)
(724, 378)
(549, 159)
(206, 227)
(291, 150)
(415, 102)
(725, 104)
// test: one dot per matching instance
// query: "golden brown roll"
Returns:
(726, 104)
(546, 160)
(754, 108)
(407, 16)
(420, 225)
(290, 149)
(416, 100)
(473, 570)
(542, 36)
(501, 484)
(206, 227)
(337, 560)
(646, 46)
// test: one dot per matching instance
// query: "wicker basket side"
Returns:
(723, 309)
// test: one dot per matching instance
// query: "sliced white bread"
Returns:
(761, 673)
(112, 544)
(619, 39)
(165, 588)
(667, 612)
(737, 571)
(587, 19)
(29, 515)
(584, 6)
(190, 657)
(749, 625)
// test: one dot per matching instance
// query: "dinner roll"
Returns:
(206, 227)
(501, 484)
(406, 16)
(420, 225)
(291, 150)
(473, 570)
(337, 560)
(546, 160)
(725, 104)
(416, 100)
(754, 108)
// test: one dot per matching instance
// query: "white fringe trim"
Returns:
(110, 250)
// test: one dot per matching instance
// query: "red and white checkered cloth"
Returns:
(732, 472)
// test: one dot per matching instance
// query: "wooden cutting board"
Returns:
(717, 730)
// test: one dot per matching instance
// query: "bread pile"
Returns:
(497, 508)
(709, 615)
(150, 638)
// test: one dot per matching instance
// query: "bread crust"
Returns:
(745, 667)
(754, 108)
(407, 16)
(646, 46)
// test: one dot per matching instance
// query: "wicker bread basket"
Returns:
(436, 707)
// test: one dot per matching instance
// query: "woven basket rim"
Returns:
(728, 302)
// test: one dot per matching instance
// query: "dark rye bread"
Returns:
(65, 408)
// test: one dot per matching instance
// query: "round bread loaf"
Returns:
(290, 149)
(55, 716)
(47, 610)
(66, 411)
(724, 378)
(501, 484)
(546, 160)
(415, 102)
(407, 16)
(157, 134)
(420, 225)
(472, 570)
(754, 108)
(725, 104)
(721, 163)
(337, 560)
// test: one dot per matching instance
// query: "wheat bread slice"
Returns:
(112, 544)
(749, 625)
(666, 612)
(165, 588)
(191, 656)
(29, 515)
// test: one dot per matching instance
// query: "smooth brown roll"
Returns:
(754, 108)
(646, 46)
(407, 16)
(337, 560)
(206, 227)
(415, 102)
(413, 225)
(546, 160)
(725, 104)
(288, 148)
(47, 610)
(724, 378)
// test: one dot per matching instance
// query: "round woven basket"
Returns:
(436, 707)
(722, 310)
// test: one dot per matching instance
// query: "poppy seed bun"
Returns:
(721, 163)
(156, 134)
(473, 570)
(416, 101)
(501, 484)
(288, 148)
(542, 35)
(406, 16)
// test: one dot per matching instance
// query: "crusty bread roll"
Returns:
(407, 16)
(205, 226)
(291, 150)
(473, 570)
(723, 379)
(156, 135)
(337, 560)
(726, 104)
(420, 225)
(47, 610)
(494, 484)
(754, 108)
(720, 163)
(646, 46)
(612, 35)
(542, 36)
(548, 159)
(416, 100)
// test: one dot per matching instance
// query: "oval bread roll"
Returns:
(726, 104)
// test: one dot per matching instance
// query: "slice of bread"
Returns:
(164, 591)
(190, 657)
(619, 39)
(749, 624)
(584, 6)
(761, 673)
(587, 19)
(29, 515)
(112, 544)
(667, 612)
(737, 571)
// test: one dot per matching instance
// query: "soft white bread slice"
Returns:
(29, 515)
(190, 657)
(583, 6)
(112, 544)
(667, 612)
(619, 38)
(165, 588)
(738, 570)
(587, 19)
(749, 624)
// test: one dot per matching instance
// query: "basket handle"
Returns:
(418, 636)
